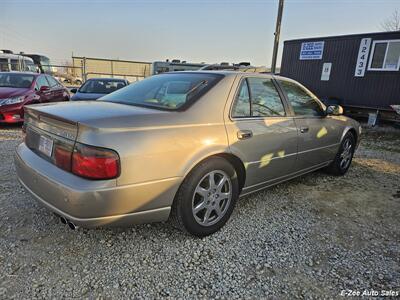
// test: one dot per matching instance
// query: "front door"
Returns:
(44, 96)
(318, 134)
(260, 133)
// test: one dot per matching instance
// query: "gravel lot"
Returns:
(309, 238)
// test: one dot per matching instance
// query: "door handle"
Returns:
(304, 129)
(244, 134)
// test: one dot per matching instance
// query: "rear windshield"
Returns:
(102, 86)
(172, 91)
(16, 80)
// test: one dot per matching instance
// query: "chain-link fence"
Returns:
(80, 69)
(86, 67)
(66, 74)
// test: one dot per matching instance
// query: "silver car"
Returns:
(182, 146)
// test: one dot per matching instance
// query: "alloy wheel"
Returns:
(347, 154)
(211, 198)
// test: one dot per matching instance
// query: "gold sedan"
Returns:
(180, 145)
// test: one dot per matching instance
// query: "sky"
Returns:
(191, 30)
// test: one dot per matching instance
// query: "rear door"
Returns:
(318, 135)
(261, 132)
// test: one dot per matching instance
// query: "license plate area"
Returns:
(46, 145)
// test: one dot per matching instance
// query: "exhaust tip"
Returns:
(63, 220)
(71, 225)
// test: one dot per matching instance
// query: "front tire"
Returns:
(344, 157)
(206, 198)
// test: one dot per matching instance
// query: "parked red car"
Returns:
(18, 89)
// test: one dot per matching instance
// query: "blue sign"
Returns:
(311, 50)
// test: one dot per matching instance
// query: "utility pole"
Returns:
(277, 34)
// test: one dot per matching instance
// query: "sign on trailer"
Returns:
(362, 57)
(326, 71)
(312, 50)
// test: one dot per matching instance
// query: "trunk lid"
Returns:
(52, 124)
(97, 114)
(61, 124)
(45, 132)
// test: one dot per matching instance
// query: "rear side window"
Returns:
(4, 65)
(302, 102)
(265, 100)
(14, 65)
(52, 81)
(241, 106)
(258, 97)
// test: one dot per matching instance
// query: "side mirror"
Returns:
(73, 91)
(44, 88)
(335, 110)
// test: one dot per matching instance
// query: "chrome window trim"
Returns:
(296, 153)
(284, 178)
(311, 94)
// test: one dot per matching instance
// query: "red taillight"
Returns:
(95, 163)
(62, 158)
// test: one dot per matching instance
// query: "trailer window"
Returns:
(4, 65)
(29, 66)
(14, 65)
(385, 56)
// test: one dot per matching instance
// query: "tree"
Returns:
(392, 23)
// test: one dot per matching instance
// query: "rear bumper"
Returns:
(11, 115)
(89, 203)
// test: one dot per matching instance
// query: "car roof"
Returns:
(233, 73)
(107, 78)
(223, 72)
(15, 56)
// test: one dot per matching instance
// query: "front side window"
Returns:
(257, 97)
(41, 81)
(302, 102)
(385, 56)
(171, 91)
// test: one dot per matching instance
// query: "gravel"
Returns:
(312, 237)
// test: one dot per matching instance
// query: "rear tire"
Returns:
(344, 157)
(206, 198)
